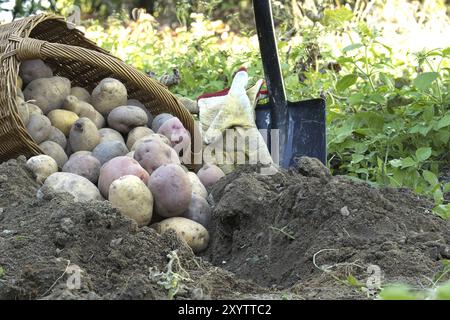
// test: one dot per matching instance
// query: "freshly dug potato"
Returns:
(55, 151)
(171, 190)
(108, 134)
(83, 135)
(48, 93)
(209, 174)
(177, 134)
(130, 154)
(197, 186)
(30, 70)
(63, 120)
(108, 150)
(136, 134)
(119, 167)
(65, 182)
(39, 128)
(24, 112)
(84, 165)
(133, 199)
(195, 235)
(150, 136)
(159, 120)
(57, 136)
(153, 153)
(84, 109)
(109, 94)
(199, 211)
(125, 118)
(34, 109)
(42, 166)
(81, 94)
(79, 153)
(137, 103)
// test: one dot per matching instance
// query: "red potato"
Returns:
(150, 136)
(177, 134)
(199, 211)
(171, 189)
(153, 153)
(209, 174)
(83, 165)
(119, 167)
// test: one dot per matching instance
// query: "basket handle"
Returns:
(30, 48)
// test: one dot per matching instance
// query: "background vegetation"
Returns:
(383, 66)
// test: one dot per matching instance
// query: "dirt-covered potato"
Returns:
(24, 112)
(197, 186)
(84, 109)
(84, 165)
(55, 151)
(178, 136)
(209, 174)
(119, 167)
(65, 182)
(150, 136)
(137, 103)
(153, 153)
(81, 94)
(195, 235)
(159, 120)
(136, 134)
(47, 93)
(42, 166)
(39, 128)
(133, 199)
(108, 134)
(34, 109)
(108, 150)
(83, 135)
(125, 118)
(63, 120)
(199, 211)
(30, 70)
(171, 189)
(109, 94)
(57, 136)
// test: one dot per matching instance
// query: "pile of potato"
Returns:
(102, 145)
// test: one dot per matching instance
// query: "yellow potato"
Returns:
(133, 199)
(195, 235)
(63, 120)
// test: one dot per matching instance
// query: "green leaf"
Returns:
(442, 210)
(356, 98)
(356, 158)
(397, 292)
(443, 122)
(446, 187)
(352, 281)
(423, 154)
(396, 163)
(408, 162)
(425, 80)
(346, 81)
(352, 47)
(446, 51)
(438, 196)
(443, 292)
(336, 17)
(2, 272)
(430, 177)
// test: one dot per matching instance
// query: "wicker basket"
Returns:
(70, 55)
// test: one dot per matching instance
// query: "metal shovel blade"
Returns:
(301, 126)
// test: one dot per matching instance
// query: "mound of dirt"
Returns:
(296, 234)
(306, 230)
(58, 249)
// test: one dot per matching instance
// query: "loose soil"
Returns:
(298, 234)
